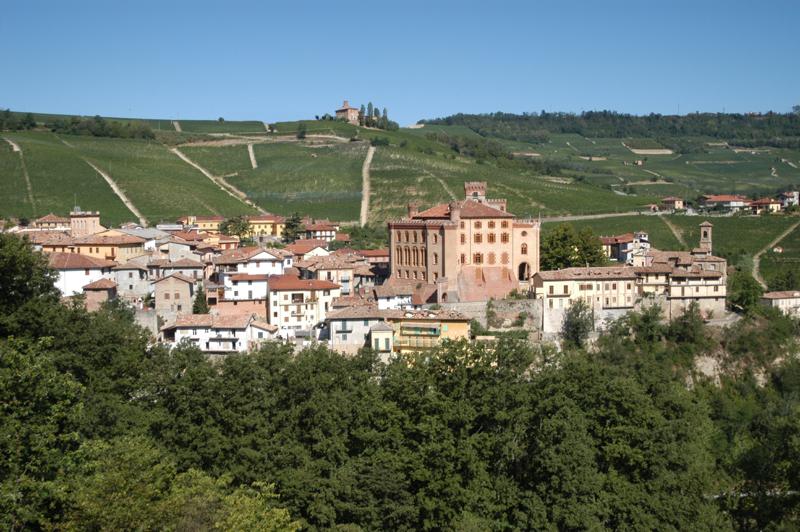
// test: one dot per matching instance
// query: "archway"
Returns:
(524, 271)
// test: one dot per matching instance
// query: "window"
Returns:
(463, 259)
(491, 224)
(235, 293)
(180, 308)
(435, 238)
(523, 249)
(435, 259)
(478, 238)
(414, 237)
(130, 275)
(614, 286)
(166, 295)
(461, 225)
(274, 314)
(86, 272)
(477, 258)
(716, 289)
(260, 334)
(490, 238)
(130, 287)
(550, 291)
(504, 258)
(504, 224)
(463, 238)
(550, 301)
(606, 286)
(566, 289)
(406, 235)
(628, 286)
(478, 224)
(504, 238)
(491, 258)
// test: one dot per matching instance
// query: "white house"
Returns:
(788, 301)
(394, 296)
(219, 335)
(76, 271)
(254, 261)
(295, 304)
(132, 281)
(789, 198)
(245, 286)
(350, 329)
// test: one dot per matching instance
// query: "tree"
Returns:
(361, 115)
(370, 110)
(293, 228)
(301, 131)
(744, 292)
(796, 109)
(26, 274)
(200, 305)
(578, 324)
(236, 226)
(563, 247)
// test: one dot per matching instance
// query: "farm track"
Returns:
(15, 148)
(675, 230)
(446, 188)
(576, 217)
(757, 256)
(177, 126)
(220, 182)
(365, 186)
(120, 194)
(252, 155)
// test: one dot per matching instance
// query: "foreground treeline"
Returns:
(99, 431)
(752, 130)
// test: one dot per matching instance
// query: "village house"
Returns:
(393, 296)
(209, 224)
(420, 330)
(621, 248)
(469, 250)
(727, 202)
(158, 268)
(99, 292)
(789, 198)
(219, 335)
(51, 222)
(787, 301)
(348, 113)
(252, 260)
(266, 225)
(83, 223)
(321, 230)
(295, 304)
(349, 271)
(245, 287)
(304, 249)
(133, 284)
(76, 271)
(353, 328)
(173, 295)
(765, 205)
(673, 203)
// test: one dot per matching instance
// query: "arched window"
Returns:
(478, 225)
(477, 258)
(406, 236)
(435, 259)
(408, 256)
(523, 249)
(504, 224)
(478, 238)
(490, 238)
(415, 255)
(491, 224)
(435, 238)
(504, 238)
(504, 258)
(491, 258)
(414, 237)
(398, 253)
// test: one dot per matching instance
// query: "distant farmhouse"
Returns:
(348, 113)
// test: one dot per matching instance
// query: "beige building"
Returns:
(174, 296)
(266, 225)
(51, 222)
(84, 223)
(348, 113)
(349, 271)
(673, 203)
(295, 304)
(209, 224)
(787, 301)
(471, 250)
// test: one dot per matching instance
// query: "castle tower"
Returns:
(705, 236)
(475, 190)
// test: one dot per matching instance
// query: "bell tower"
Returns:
(705, 236)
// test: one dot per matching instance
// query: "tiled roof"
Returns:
(101, 284)
(76, 261)
(381, 326)
(109, 240)
(49, 238)
(469, 209)
(765, 201)
(784, 294)
(320, 227)
(178, 276)
(249, 277)
(591, 273)
(373, 252)
(180, 263)
(287, 282)
(234, 321)
(266, 218)
(619, 239)
(52, 218)
(671, 199)
(239, 255)
(724, 198)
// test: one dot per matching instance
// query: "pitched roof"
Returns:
(178, 276)
(671, 199)
(591, 273)
(288, 282)
(266, 218)
(619, 239)
(783, 294)
(764, 201)
(76, 261)
(373, 252)
(180, 263)
(249, 277)
(100, 284)
(724, 198)
(239, 255)
(469, 209)
(109, 240)
(52, 218)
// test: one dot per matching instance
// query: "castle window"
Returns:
(463, 238)
(478, 238)
(478, 225)
(504, 224)
(463, 259)
(414, 237)
(491, 258)
(490, 238)
(435, 238)
(504, 258)
(477, 258)
(461, 225)
(524, 233)
(523, 249)
(491, 224)
(406, 236)
(435, 259)
(504, 238)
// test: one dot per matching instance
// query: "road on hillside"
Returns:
(757, 256)
(365, 186)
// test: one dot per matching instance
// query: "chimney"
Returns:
(413, 209)
(455, 211)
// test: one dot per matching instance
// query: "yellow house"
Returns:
(418, 330)
(267, 225)
(208, 224)
(108, 245)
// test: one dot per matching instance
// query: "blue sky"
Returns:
(282, 61)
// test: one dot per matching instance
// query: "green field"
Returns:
(13, 190)
(660, 235)
(161, 185)
(60, 178)
(321, 181)
(215, 126)
(775, 264)
(219, 160)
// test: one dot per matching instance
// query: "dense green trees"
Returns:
(293, 228)
(236, 226)
(100, 127)
(13, 122)
(99, 430)
(564, 247)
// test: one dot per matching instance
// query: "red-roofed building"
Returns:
(347, 112)
(768, 205)
(471, 250)
(76, 271)
(219, 335)
(673, 203)
(731, 202)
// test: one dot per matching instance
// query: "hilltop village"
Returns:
(447, 268)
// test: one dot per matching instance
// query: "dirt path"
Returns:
(252, 154)
(15, 148)
(573, 147)
(365, 191)
(773, 171)
(120, 194)
(652, 173)
(177, 126)
(64, 142)
(575, 217)
(220, 182)
(790, 163)
(446, 188)
(675, 230)
(757, 256)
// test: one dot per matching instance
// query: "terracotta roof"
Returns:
(424, 294)
(109, 240)
(249, 277)
(784, 294)
(695, 273)
(359, 312)
(76, 261)
(191, 320)
(302, 249)
(373, 252)
(234, 321)
(52, 218)
(266, 218)
(591, 273)
(671, 199)
(287, 282)
(381, 326)
(49, 238)
(469, 209)
(129, 266)
(342, 237)
(264, 326)
(619, 239)
(320, 227)
(101, 284)
(178, 276)
(180, 263)
(393, 290)
(724, 198)
(765, 201)
(239, 255)
(350, 301)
